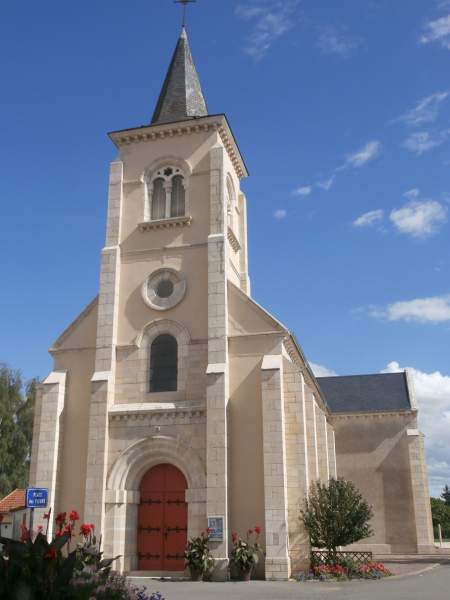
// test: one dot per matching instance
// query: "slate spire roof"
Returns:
(181, 96)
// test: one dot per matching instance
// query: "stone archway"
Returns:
(123, 498)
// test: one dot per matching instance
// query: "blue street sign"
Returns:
(37, 497)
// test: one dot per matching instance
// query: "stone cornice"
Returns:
(137, 254)
(234, 242)
(374, 415)
(165, 223)
(151, 133)
(156, 411)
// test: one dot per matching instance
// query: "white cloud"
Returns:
(280, 214)
(423, 141)
(437, 31)
(370, 151)
(270, 21)
(426, 110)
(321, 371)
(336, 40)
(369, 218)
(327, 184)
(433, 310)
(419, 218)
(433, 398)
(302, 191)
(411, 194)
(355, 160)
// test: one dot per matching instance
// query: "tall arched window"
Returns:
(158, 199)
(177, 200)
(164, 364)
(167, 194)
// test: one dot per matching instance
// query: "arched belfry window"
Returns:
(167, 194)
(177, 201)
(158, 199)
(164, 364)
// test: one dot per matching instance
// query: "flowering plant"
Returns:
(374, 570)
(245, 553)
(335, 571)
(347, 569)
(198, 556)
(36, 568)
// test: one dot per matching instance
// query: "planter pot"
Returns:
(237, 574)
(196, 575)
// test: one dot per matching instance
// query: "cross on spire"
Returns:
(185, 4)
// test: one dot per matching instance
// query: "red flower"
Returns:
(86, 529)
(40, 529)
(257, 530)
(61, 518)
(68, 530)
(250, 531)
(46, 516)
(24, 533)
(209, 531)
(74, 516)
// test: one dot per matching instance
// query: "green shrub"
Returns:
(336, 514)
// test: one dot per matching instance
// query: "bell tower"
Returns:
(176, 235)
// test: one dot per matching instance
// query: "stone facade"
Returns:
(247, 424)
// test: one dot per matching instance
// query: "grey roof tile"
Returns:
(181, 96)
(383, 392)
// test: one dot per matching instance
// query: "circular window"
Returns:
(164, 289)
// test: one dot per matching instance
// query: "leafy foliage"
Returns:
(440, 513)
(446, 495)
(197, 554)
(35, 569)
(336, 514)
(346, 569)
(16, 429)
(246, 552)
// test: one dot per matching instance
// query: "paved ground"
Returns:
(431, 585)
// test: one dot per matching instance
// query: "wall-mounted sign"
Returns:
(37, 497)
(215, 525)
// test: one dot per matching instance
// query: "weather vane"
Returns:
(184, 3)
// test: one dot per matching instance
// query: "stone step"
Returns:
(140, 577)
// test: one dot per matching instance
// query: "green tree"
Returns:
(446, 495)
(16, 429)
(336, 514)
(440, 513)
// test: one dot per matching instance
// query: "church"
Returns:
(177, 401)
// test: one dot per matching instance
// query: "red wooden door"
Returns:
(162, 519)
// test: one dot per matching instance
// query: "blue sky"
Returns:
(342, 111)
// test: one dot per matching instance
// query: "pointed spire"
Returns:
(181, 96)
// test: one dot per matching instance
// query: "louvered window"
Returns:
(177, 203)
(158, 200)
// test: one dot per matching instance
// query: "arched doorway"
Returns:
(162, 519)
